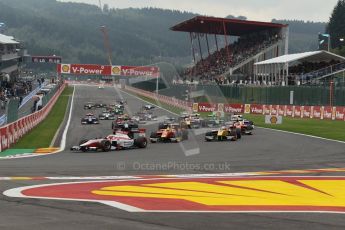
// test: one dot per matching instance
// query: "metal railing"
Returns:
(322, 73)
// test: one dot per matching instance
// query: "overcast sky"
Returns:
(263, 10)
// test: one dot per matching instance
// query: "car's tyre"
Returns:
(106, 145)
(233, 133)
(238, 133)
(141, 142)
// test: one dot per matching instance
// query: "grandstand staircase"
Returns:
(253, 58)
(323, 73)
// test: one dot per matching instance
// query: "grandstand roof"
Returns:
(234, 27)
(4, 39)
(315, 56)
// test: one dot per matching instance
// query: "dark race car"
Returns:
(89, 105)
(89, 119)
(121, 101)
(100, 105)
(126, 126)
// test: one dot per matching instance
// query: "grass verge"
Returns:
(321, 128)
(42, 135)
(334, 130)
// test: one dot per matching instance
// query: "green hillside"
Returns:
(138, 36)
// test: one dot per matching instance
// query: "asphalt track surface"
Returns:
(265, 151)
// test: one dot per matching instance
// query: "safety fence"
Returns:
(11, 133)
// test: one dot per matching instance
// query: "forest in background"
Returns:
(137, 36)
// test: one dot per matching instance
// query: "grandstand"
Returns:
(300, 68)
(246, 42)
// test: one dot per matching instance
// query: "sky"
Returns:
(261, 10)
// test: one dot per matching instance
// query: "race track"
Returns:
(265, 151)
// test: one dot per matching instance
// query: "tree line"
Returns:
(137, 36)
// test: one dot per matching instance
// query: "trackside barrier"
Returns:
(311, 112)
(314, 112)
(161, 98)
(12, 132)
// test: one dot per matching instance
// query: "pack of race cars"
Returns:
(126, 133)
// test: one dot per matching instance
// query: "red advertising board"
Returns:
(317, 112)
(266, 109)
(281, 110)
(256, 109)
(274, 110)
(307, 112)
(289, 111)
(328, 112)
(137, 71)
(234, 108)
(81, 69)
(340, 113)
(107, 70)
(3, 139)
(207, 107)
(297, 111)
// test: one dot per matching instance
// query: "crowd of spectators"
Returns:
(318, 70)
(218, 63)
(13, 89)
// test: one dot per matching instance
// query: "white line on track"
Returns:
(305, 135)
(64, 135)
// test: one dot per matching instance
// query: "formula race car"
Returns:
(100, 105)
(89, 119)
(116, 141)
(144, 116)
(169, 133)
(122, 118)
(213, 121)
(246, 126)
(148, 107)
(121, 101)
(89, 105)
(223, 134)
(107, 115)
(191, 121)
(128, 126)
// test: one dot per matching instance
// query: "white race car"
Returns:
(117, 141)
